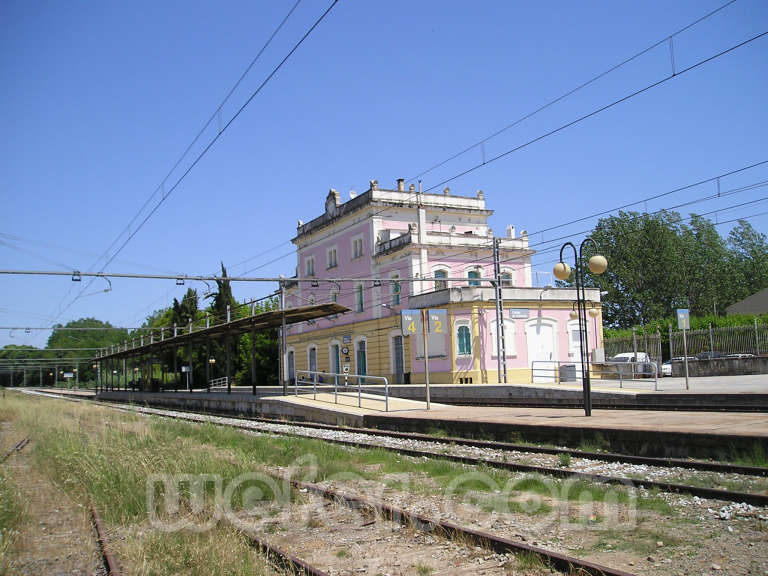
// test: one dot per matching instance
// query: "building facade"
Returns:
(385, 251)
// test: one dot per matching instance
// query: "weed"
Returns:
(424, 569)
(756, 456)
(342, 553)
(564, 459)
(528, 561)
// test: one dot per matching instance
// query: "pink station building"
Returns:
(385, 251)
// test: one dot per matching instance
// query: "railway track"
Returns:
(252, 424)
(556, 560)
(292, 429)
(17, 448)
(755, 499)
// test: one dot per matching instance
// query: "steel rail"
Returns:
(702, 492)
(17, 448)
(528, 448)
(110, 563)
(423, 523)
(711, 493)
(282, 558)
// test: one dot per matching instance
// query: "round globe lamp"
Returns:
(562, 271)
(597, 264)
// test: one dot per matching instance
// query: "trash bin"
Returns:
(568, 373)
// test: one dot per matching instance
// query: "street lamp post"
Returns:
(597, 264)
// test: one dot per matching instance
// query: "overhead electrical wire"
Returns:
(222, 130)
(571, 92)
(581, 119)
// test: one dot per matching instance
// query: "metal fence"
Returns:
(725, 341)
(707, 343)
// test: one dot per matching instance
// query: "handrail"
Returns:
(314, 377)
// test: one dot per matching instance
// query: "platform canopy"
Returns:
(265, 320)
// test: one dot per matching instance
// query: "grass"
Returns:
(424, 569)
(564, 459)
(10, 518)
(756, 456)
(99, 454)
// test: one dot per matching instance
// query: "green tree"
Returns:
(645, 277)
(749, 250)
(706, 268)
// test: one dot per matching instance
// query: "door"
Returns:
(398, 360)
(313, 362)
(335, 361)
(291, 368)
(541, 350)
(361, 360)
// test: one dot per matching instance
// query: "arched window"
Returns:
(441, 284)
(463, 338)
(474, 277)
(506, 279)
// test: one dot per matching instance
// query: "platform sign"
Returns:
(438, 320)
(519, 313)
(410, 322)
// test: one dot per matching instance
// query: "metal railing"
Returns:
(313, 381)
(711, 342)
(217, 383)
(564, 372)
(393, 243)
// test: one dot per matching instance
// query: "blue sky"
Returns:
(100, 99)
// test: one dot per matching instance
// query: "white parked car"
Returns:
(641, 364)
(666, 368)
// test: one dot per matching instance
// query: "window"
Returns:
(506, 279)
(357, 247)
(359, 302)
(395, 289)
(332, 262)
(309, 265)
(334, 297)
(463, 339)
(474, 277)
(441, 284)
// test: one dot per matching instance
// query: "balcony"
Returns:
(392, 244)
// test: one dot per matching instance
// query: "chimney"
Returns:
(447, 191)
(411, 188)
(401, 184)
(510, 231)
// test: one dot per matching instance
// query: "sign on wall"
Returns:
(437, 330)
(519, 313)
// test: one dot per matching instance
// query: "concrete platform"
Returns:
(721, 435)
(342, 410)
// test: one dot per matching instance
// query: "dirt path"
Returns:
(56, 535)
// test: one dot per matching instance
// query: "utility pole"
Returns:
(283, 352)
(501, 348)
